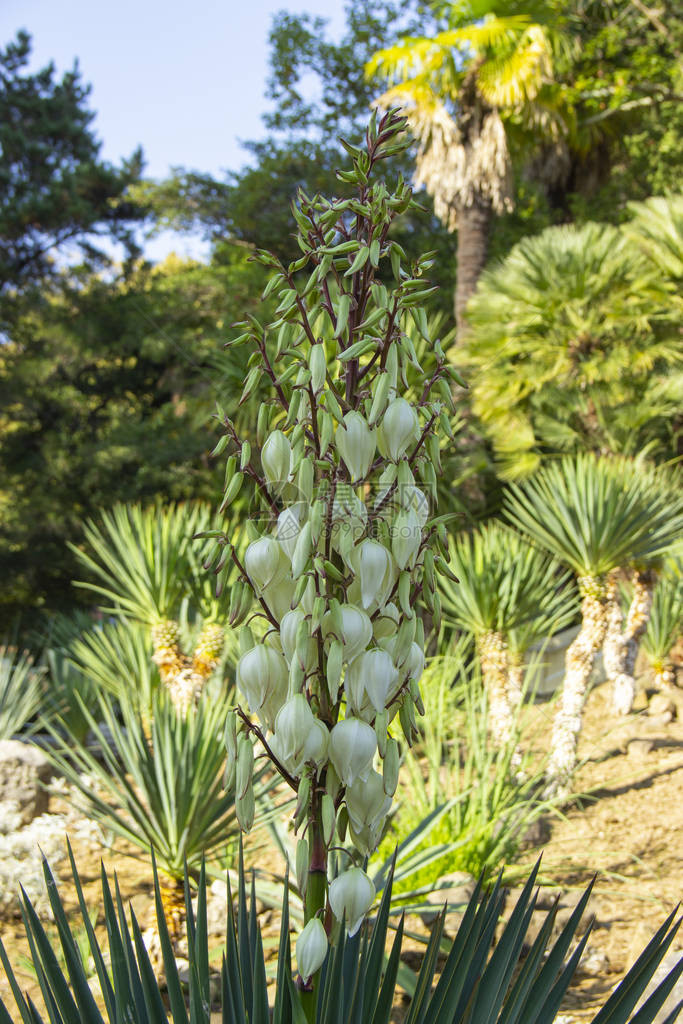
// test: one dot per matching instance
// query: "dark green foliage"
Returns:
(478, 983)
(106, 387)
(54, 189)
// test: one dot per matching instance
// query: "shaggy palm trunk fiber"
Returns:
(621, 645)
(515, 685)
(578, 667)
(493, 658)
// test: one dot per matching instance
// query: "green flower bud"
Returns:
(276, 459)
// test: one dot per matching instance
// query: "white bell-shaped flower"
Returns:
(387, 622)
(368, 806)
(289, 627)
(261, 672)
(351, 895)
(406, 536)
(311, 949)
(356, 630)
(279, 594)
(376, 570)
(352, 747)
(411, 497)
(399, 429)
(349, 520)
(289, 525)
(276, 459)
(299, 737)
(414, 663)
(264, 562)
(373, 674)
(356, 443)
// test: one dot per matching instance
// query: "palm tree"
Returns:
(573, 346)
(510, 594)
(665, 624)
(489, 73)
(595, 515)
(146, 565)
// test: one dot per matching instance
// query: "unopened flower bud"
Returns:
(351, 895)
(311, 949)
(352, 747)
(276, 459)
(406, 538)
(400, 427)
(356, 443)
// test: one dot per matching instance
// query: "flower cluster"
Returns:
(346, 547)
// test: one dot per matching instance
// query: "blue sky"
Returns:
(184, 79)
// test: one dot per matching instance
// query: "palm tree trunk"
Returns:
(515, 685)
(621, 648)
(492, 649)
(473, 225)
(578, 667)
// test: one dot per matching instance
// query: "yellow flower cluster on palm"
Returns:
(184, 676)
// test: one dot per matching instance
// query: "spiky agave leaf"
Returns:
(477, 981)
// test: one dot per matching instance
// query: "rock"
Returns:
(455, 889)
(676, 994)
(639, 749)
(594, 963)
(217, 907)
(24, 774)
(657, 722)
(661, 704)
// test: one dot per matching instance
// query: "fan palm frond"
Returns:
(145, 560)
(596, 515)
